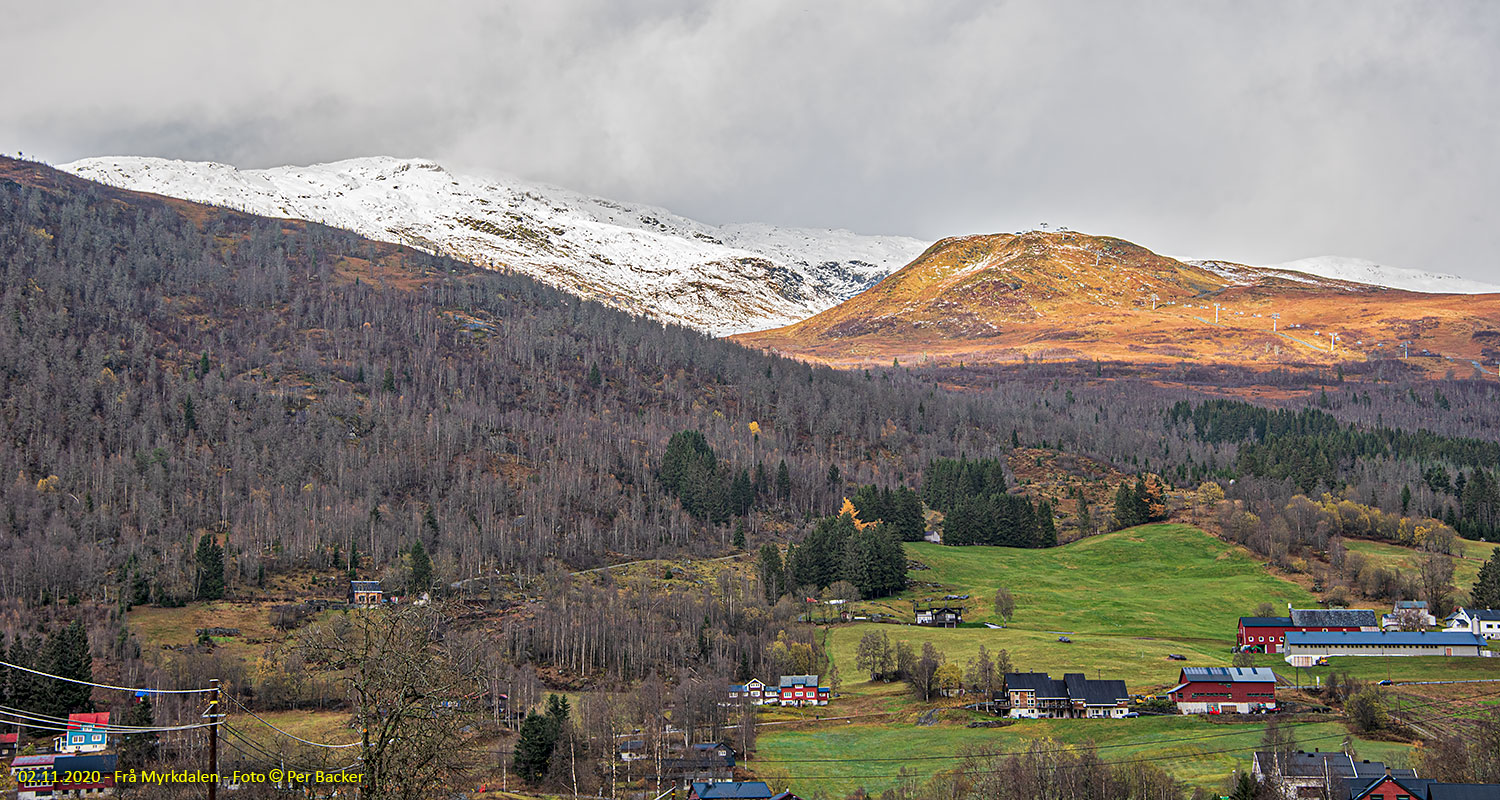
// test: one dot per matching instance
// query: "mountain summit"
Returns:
(719, 279)
(1072, 295)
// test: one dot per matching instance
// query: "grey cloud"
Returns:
(1252, 131)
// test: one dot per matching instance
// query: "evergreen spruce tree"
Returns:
(66, 654)
(907, 508)
(30, 692)
(558, 712)
(741, 493)
(1046, 528)
(210, 572)
(772, 572)
(783, 481)
(1244, 788)
(1127, 507)
(1486, 591)
(138, 749)
(533, 751)
(739, 535)
(421, 568)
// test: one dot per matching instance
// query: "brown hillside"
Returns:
(1064, 295)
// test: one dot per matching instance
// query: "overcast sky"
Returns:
(1258, 132)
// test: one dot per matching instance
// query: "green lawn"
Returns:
(1170, 581)
(869, 755)
(1126, 600)
(1142, 663)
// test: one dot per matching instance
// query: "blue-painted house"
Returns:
(86, 734)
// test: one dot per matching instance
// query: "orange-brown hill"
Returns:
(1061, 295)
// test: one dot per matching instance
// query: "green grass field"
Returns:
(836, 759)
(1390, 556)
(1126, 599)
(1156, 580)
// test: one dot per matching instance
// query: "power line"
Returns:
(268, 724)
(279, 759)
(101, 685)
(103, 727)
(55, 729)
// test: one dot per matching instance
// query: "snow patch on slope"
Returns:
(1359, 270)
(646, 260)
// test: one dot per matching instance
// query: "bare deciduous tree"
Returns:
(411, 695)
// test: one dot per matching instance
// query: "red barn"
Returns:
(1224, 690)
(1263, 634)
(1268, 634)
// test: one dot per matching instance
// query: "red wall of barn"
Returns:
(1239, 692)
(1247, 636)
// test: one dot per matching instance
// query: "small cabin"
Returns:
(942, 616)
(365, 593)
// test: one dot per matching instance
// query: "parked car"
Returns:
(1176, 657)
(1064, 640)
(1129, 714)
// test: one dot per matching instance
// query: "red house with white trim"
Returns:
(1224, 690)
(802, 690)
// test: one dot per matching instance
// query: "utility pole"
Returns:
(213, 716)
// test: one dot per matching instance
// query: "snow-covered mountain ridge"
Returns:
(720, 279)
(1358, 270)
(1350, 271)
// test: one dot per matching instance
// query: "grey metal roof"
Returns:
(1463, 791)
(1486, 614)
(1230, 674)
(1386, 638)
(1338, 764)
(364, 586)
(1039, 682)
(1334, 618)
(102, 762)
(1266, 622)
(791, 681)
(1418, 604)
(742, 790)
(1359, 787)
(1096, 692)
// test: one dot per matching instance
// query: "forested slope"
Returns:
(169, 370)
